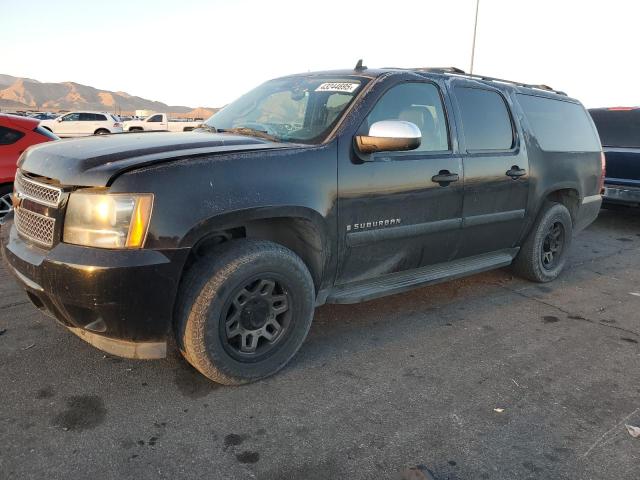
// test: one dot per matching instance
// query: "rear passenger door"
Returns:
(496, 170)
(99, 121)
(88, 124)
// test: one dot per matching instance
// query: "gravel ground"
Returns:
(489, 377)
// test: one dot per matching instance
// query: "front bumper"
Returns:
(120, 301)
(622, 194)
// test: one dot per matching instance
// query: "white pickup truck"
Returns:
(159, 122)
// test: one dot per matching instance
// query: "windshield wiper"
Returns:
(248, 131)
(209, 128)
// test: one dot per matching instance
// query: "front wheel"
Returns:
(5, 199)
(244, 311)
(544, 252)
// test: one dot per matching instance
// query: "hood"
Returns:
(94, 161)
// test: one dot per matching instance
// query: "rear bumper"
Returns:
(587, 212)
(622, 194)
(120, 301)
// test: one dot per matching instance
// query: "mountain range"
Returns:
(17, 93)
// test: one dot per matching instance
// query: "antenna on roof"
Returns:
(359, 67)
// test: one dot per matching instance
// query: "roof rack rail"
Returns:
(458, 71)
(455, 70)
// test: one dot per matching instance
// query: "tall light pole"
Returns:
(475, 29)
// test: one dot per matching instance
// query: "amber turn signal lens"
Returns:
(140, 221)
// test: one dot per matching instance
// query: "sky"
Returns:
(207, 53)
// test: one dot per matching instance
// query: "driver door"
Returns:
(393, 215)
(156, 122)
(67, 126)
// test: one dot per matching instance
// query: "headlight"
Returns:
(118, 220)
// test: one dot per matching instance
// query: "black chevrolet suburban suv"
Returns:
(330, 187)
(619, 129)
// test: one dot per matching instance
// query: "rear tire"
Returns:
(102, 131)
(244, 311)
(544, 253)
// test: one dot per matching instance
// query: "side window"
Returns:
(86, 117)
(71, 117)
(559, 126)
(9, 136)
(99, 118)
(420, 104)
(485, 119)
(155, 118)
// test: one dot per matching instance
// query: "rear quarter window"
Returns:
(9, 136)
(559, 126)
(618, 128)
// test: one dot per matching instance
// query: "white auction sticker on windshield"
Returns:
(338, 87)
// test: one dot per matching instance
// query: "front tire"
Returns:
(544, 252)
(244, 311)
(6, 191)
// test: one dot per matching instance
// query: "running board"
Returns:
(402, 281)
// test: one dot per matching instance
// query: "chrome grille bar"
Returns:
(35, 227)
(36, 191)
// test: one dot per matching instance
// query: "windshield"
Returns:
(294, 109)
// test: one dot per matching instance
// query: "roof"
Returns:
(429, 71)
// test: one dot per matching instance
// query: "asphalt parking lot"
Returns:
(489, 377)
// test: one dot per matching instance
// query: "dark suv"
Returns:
(335, 187)
(619, 129)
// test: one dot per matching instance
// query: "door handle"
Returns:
(516, 172)
(445, 177)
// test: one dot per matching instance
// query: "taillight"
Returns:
(117, 125)
(603, 163)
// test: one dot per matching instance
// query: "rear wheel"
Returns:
(102, 131)
(244, 311)
(544, 253)
(5, 199)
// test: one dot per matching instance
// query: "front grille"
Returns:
(36, 191)
(35, 227)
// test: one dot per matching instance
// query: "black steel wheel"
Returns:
(552, 246)
(256, 318)
(244, 311)
(543, 254)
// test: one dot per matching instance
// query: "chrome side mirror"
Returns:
(389, 136)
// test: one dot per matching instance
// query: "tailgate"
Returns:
(623, 166)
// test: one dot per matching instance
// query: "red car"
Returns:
(16, 134)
